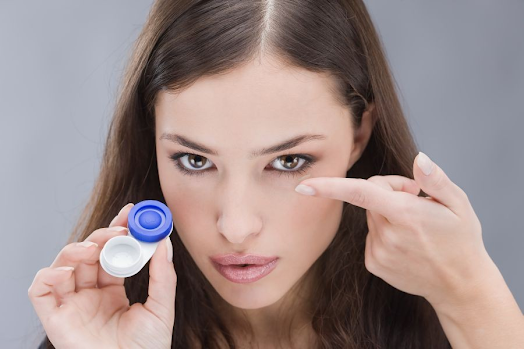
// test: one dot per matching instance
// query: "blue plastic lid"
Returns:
(150, 221)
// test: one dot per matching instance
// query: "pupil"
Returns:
(293, 161)
(199, 160)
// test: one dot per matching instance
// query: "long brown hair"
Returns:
(183, 40)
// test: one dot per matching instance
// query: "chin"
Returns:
(259, 294)
(253, 297)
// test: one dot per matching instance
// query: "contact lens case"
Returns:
(148, 222)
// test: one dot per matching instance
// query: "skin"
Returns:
(242, 204)
(84, 307)
(431, 247)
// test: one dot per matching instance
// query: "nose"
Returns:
(236, 227)
(238, 218)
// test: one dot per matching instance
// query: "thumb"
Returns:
(162, 283)
(433, 181)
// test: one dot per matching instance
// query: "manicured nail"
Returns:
(113, 221)
(169, 247)
(87, 244)
(118, 228)
(119, 212)
(425, 163)
(304, 189)
(65, 268)
(122, 209)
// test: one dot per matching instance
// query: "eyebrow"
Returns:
(290, 143)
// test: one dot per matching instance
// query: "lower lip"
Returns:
(244, 275)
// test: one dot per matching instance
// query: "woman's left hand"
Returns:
(426, 246)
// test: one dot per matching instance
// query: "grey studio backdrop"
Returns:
(459, 66)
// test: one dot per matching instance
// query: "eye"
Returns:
(193, 164)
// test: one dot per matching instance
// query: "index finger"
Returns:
(359, 192)
(104, 279)
(121, 218)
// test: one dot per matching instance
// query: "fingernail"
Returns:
(304, 189)
(169, 247)
(87, 244)
(425, 163)
(65, 268)
(118, 228)
(118, 214)
(113, 221)
(122, 209)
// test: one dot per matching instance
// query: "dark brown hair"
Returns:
(183, 40)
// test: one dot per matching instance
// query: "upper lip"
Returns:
(231, 258)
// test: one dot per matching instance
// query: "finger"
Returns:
(65, 288)
(121, 218)
(162, 284)
(104, 279)
(359, 192)
(73, 254)
(41, 293)
(77, 255)
(84, 256)
(396, 183)
(433, 181)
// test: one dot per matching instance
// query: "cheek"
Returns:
(188, 207)
(309, 227)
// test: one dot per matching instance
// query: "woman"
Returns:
(225, 107)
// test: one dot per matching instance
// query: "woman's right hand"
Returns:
(88, 308)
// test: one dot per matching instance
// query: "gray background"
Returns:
(459, 66)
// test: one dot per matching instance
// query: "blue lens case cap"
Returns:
(150, 221)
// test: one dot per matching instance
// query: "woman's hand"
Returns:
(88, 308)
(431, 247)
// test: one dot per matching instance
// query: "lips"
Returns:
(242, 260)
(244, 269)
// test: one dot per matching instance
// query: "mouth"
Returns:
(244, 268)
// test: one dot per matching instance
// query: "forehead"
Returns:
(253, 99)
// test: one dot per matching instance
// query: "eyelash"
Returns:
(308, 162)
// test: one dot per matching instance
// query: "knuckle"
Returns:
(477, 225)
(462, 194)
(368, 263)
(378, 255)
(407, 213)
(38, 277)
(383, 256)
(374, 179)
(391, 239)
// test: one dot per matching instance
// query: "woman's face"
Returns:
(233, 202)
